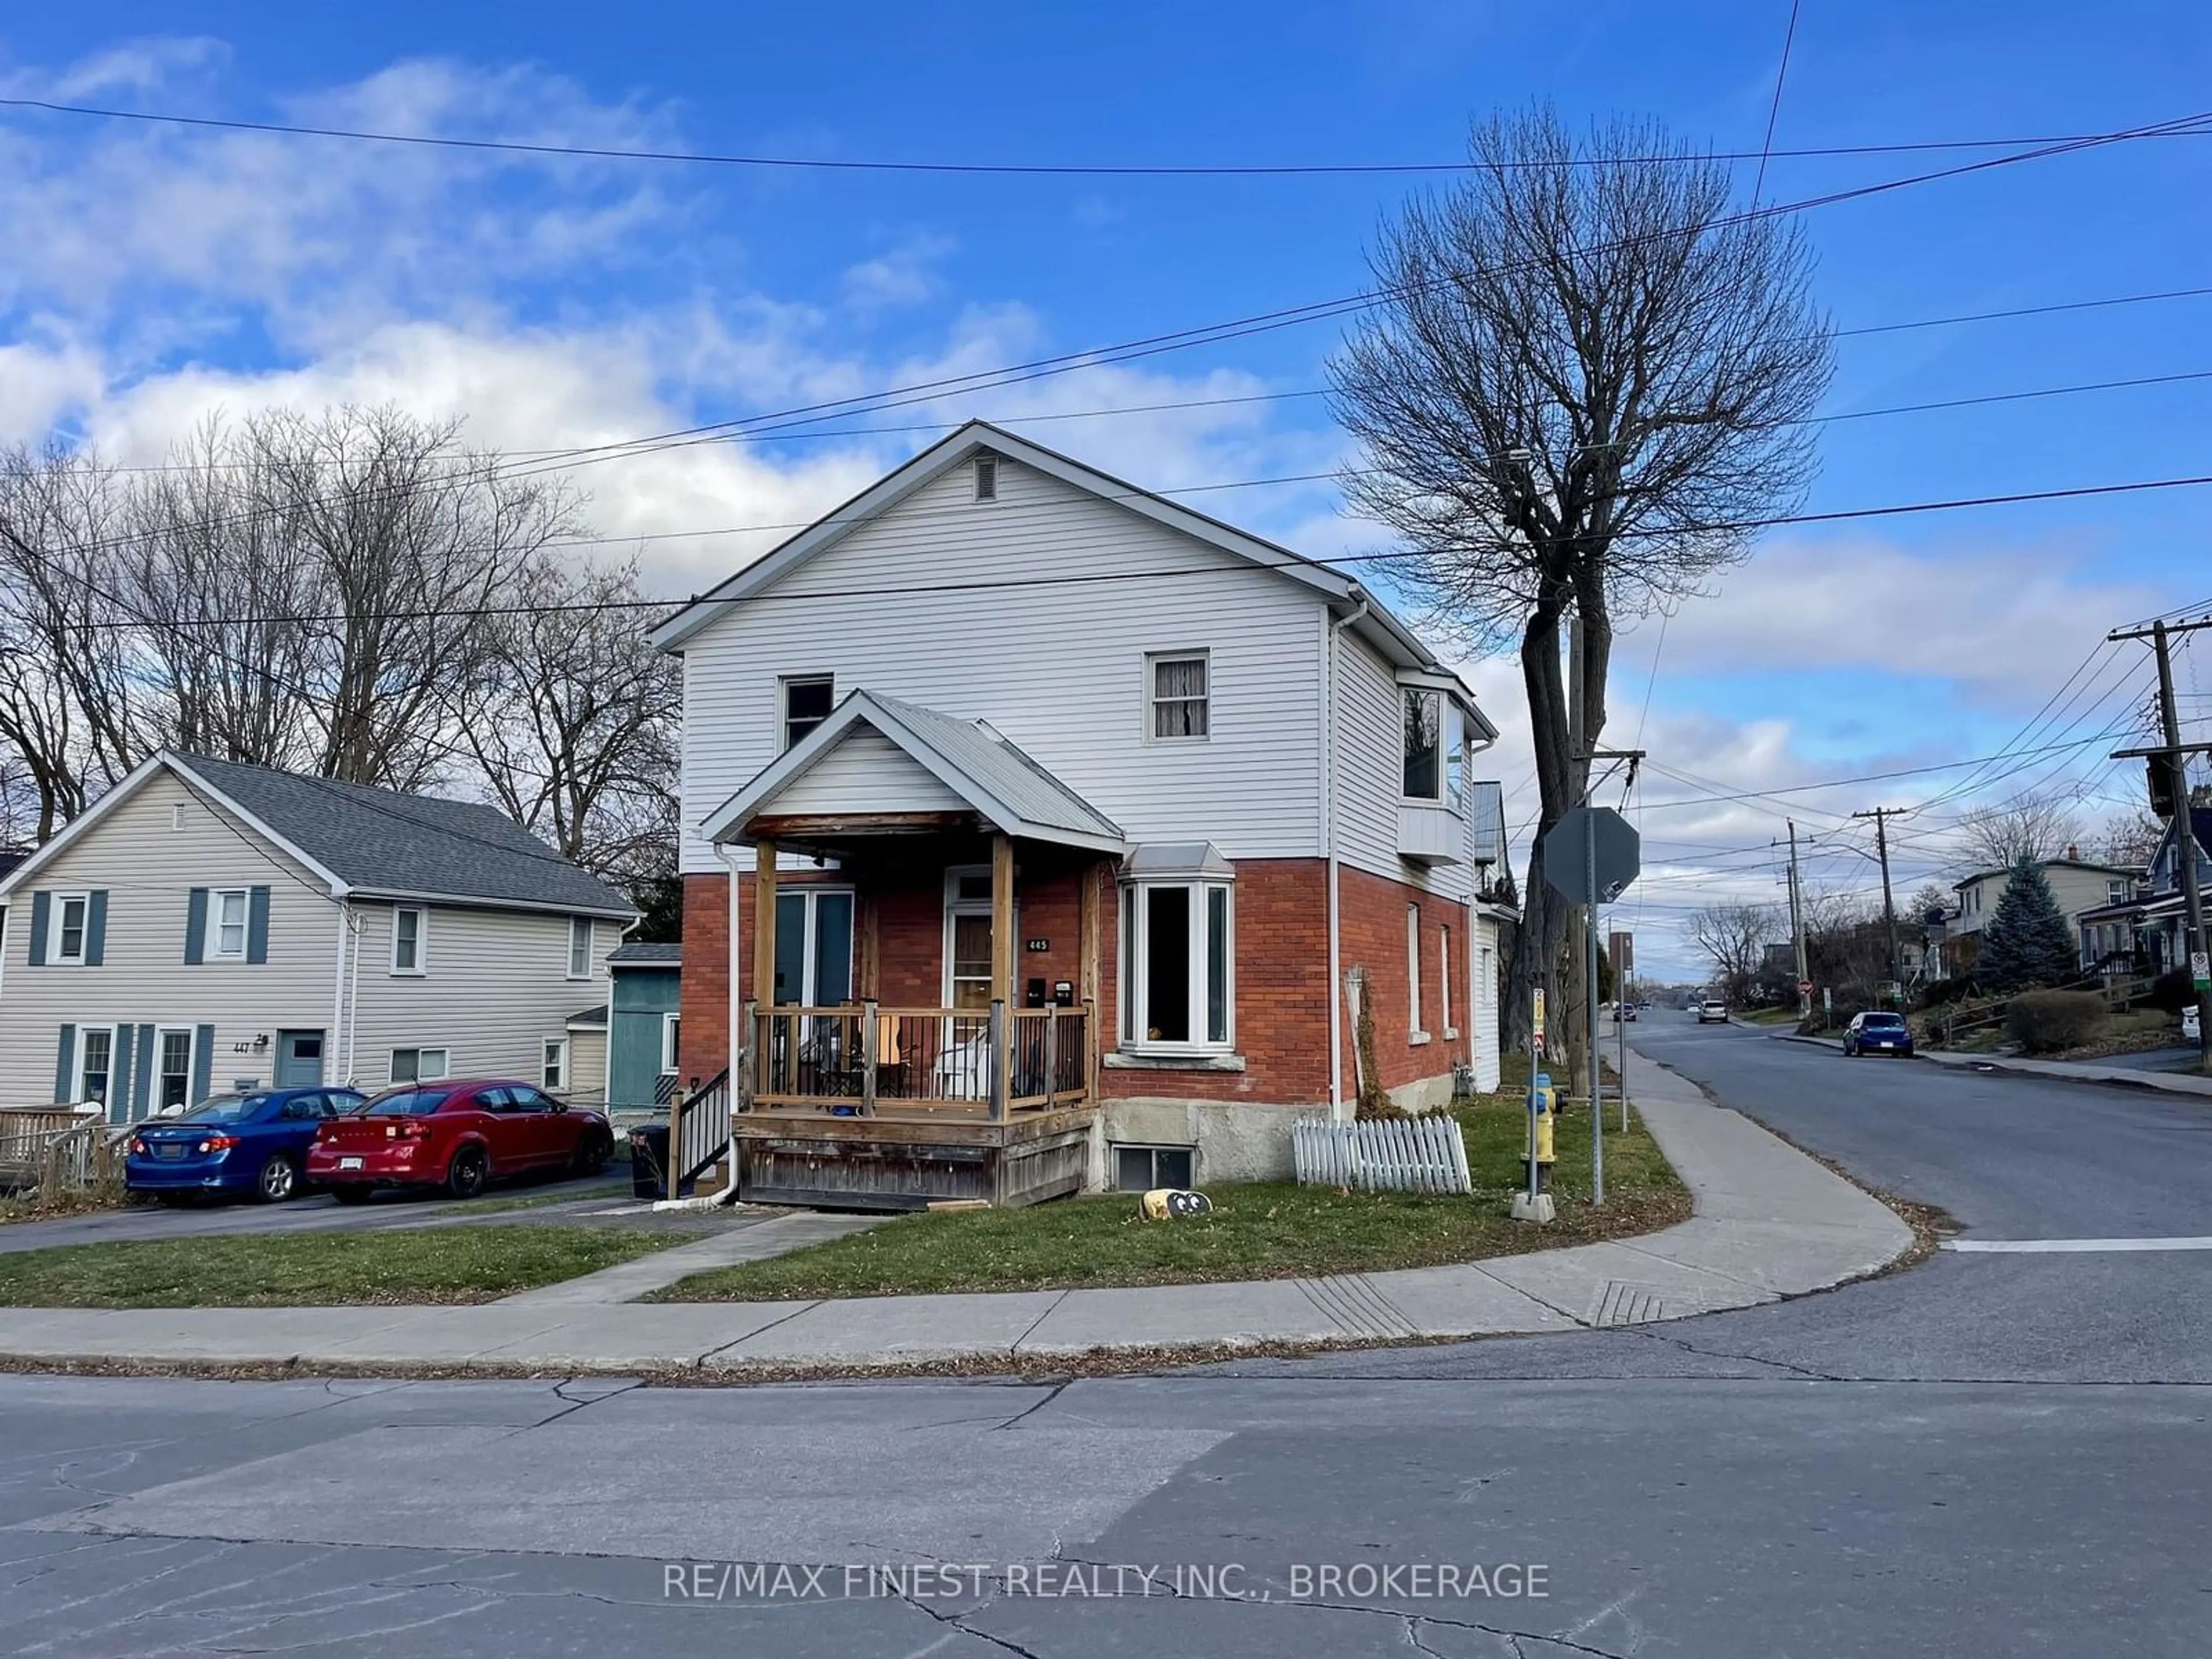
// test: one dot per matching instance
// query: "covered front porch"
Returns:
(924, 938)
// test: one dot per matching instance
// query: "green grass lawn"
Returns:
(1271, 1229)
(318, 1269)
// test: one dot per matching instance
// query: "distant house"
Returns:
(206, 925)
(2080, 886)
(2141, 928)
(642, 1037)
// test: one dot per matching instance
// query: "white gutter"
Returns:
(1336, 1107)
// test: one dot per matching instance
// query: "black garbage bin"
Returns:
(648, 1161)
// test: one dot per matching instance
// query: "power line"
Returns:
(1019, 169)
(800, 433)
(1774, 109)
(1293, 561)
(1264, 322)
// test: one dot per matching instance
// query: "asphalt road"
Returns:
(1987, 1454)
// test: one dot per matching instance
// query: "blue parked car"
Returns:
(253, 1143)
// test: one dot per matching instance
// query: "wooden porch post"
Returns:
(1002, 970)
(764, 923)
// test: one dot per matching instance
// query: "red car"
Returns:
(458, 1134)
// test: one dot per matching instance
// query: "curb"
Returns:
(1748, 1243)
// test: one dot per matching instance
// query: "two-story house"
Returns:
(2080, 886)
(206, 925)
(2144, 926)
(1056, 828)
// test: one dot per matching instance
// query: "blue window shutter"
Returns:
(95, 927)
(142, 1093)
(41, 908)
(118, 1077)
(195, 924)
(65, 1062)
(257, 925)
(202, 1063)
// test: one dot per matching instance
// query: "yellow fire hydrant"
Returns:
(1544, 1106)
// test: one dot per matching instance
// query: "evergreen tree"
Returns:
(2028, 943)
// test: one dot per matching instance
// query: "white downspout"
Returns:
(353, 1024)
(337, 1002)
(1336, 1104)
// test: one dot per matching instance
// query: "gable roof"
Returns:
(1007, 788)
(373, 843)
(1372, 618)
(2200, 830)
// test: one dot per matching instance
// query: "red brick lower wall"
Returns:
(1282, 990)
(1281, 1020)
(1371, 934)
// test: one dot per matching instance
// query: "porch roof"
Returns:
(980, 769)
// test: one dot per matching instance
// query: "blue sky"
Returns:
(155, 274)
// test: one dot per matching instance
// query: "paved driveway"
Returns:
(308, 1214)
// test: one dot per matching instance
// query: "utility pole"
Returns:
(2175, 753)
(1797, 928)
(1882, 816)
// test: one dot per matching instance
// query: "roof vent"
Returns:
(986, 477)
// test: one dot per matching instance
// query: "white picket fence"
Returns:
(1399, 1155)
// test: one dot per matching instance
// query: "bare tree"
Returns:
(574, 722)
(2131, 839)
(1579, 383)
(1735, 937)
(68, 702)
(2030, 827)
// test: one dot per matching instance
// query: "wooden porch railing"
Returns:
(861, 1059)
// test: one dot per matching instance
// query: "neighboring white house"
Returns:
(2079, 885)
(206, 925)
(1225, 776)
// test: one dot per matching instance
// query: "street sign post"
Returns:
(1804, 987)
(2200, 969)
(1590, 855)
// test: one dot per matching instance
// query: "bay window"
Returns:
(1178, 953)
(1436, 747)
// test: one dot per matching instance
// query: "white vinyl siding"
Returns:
(148, 869)
(1368, 774)
(1060, 670)
(498, 989)
(866, 771)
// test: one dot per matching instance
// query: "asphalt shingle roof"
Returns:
(638, 953)
(1000, 768)
(382, 841)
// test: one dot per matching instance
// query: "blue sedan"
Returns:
(253, 1143)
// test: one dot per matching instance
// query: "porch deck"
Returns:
(864, 1107)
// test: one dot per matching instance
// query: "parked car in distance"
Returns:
(1712, 1008)
(255, 1142)
(458, 1134)
(1878, 1034)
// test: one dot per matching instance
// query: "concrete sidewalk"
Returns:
(1770, 1222)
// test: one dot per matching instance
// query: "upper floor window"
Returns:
(807, 699)
(986, 477)
(579, 947)
(409, 929)
(671, 1027)
(226, 939)
(1424, 745)
(1180, 695)
(2116, 891)
(74, 909)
